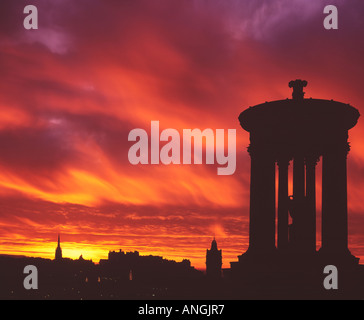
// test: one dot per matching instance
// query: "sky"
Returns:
(72, 90)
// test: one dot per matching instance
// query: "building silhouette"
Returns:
(213, 261)
(58, 255)
(298, 132)
(131, 275)
(133, 266)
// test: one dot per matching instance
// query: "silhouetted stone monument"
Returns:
(298, 131)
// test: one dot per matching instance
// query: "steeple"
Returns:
(58, 250)
(213, 261)
(214, 245)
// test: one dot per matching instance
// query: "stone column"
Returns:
(262, 201)
(298, 178)
(310, 203)
(282, 239)
(334, 199)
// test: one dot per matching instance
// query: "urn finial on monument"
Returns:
(298, 86)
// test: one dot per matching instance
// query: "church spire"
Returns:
(58, 249)
(213, 261)
(214, 245)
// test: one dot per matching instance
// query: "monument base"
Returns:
(278, 275)
(342, 259)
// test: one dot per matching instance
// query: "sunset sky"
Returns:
(71, 91)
